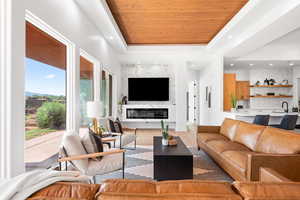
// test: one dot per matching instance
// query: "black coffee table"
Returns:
(172, 162)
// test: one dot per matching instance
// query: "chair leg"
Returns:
(59, 166)
(94, 179)
(135, 139)
(120, 142)
(135, 144)
(123, 166)
(66, 165)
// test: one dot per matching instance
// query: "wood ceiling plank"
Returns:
(42, 47)
(181, 21)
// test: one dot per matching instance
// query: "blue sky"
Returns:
(44, 79)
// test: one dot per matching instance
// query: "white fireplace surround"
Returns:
(171, 113)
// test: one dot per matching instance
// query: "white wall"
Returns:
(212, 76)
(296, 86)
(241, 74)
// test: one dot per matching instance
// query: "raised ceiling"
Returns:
(172, 21)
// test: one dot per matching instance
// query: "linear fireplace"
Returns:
(147, 113)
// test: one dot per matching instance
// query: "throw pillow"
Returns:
(92, 143)
(111, 126)
(118, 126)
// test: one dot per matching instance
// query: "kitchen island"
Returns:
(249, 115)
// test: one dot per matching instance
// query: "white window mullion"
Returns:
(73, 83)
(12, 45)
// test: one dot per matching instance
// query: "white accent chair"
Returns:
(125, 138)
(73, 151)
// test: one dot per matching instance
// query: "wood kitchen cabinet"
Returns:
(229, 90)
(243, 90)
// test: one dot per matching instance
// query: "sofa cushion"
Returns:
(278, 141)
(206, 137)
(72, 145)
(220, 146)
(166, 190)
(248, 134)
(67, 190)
(238, 159)
(108, 164)
(229, 127)
(268, 191)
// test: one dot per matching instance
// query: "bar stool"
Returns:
(288, 122)
(261, 120)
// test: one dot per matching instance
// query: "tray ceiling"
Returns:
(172, 21)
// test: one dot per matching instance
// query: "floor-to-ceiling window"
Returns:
(107, 93)
(103, 94)
(45, 92)
(86, 88)
(110, 94)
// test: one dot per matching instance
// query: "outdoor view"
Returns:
(45, 98)
(86, 89)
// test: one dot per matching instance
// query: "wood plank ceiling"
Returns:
(172, 21)
(42, 47)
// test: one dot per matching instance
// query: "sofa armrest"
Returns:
(271, 191)
(283, 164)
(209, 129)
(270, 175)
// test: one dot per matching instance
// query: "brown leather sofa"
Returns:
(241, 148)
(171, 190)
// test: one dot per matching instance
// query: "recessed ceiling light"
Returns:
(230, 36)
(292, 64)
(271, 64)
(251, 64)
(111, 37)
(231, 64)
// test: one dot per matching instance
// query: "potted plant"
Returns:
(165, 134)
(233, 103)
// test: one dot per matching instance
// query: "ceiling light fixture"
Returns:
(291, 64)
(271, 64)
(111, 37)
(251, 64)
(231, 64)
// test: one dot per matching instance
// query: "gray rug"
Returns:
(139, 165)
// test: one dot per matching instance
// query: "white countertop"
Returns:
(253, 113)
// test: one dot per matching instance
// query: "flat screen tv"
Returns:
(148, 89)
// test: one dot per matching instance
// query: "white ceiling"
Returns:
(257, 24)
(260, 63)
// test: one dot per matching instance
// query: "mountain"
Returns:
(30, 94)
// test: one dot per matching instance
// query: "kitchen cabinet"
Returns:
(229, 90)
(243, 90)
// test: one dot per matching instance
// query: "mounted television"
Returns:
(148, 89)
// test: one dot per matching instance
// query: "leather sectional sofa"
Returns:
(241, 148)
(173, 190)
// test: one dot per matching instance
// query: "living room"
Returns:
(135, 90)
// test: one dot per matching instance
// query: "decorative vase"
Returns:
(164, 142)
(233, 109)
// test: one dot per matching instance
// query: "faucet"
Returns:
(287, 106)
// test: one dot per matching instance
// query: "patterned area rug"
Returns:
(139, 165)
